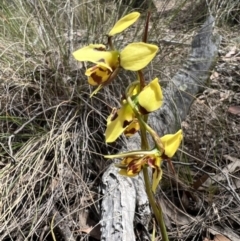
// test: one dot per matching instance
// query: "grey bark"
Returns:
(122, 196)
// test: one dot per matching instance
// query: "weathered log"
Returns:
(121, 194)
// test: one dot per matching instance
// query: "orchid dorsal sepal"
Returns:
(132, 153)
(95, 53)
(151, 97)
(124, 23)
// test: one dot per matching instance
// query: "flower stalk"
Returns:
(157, 210)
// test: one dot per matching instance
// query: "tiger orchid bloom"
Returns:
(106, 62)
(124, 120)
(171, 143)
(134, 57)
(134, 161)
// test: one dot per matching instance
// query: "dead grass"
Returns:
(50, 131)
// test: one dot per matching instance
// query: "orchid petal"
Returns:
(124, 23)
(131, 165)
(97, 75)
(126, 173)
(118, 121)
(132, 128)
(96, 53)
(156, 178)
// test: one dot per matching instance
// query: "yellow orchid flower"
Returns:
(106, 62)
(171, 143)
(124, 23)
(134, 161)
(134, 56)
(132, 165)
(124, 120)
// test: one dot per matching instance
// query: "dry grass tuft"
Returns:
(51, 132)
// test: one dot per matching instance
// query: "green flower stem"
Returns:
(144, 141)
(156, 208)
(154, 135)
(144, 145)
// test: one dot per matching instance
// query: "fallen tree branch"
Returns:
(123, 196)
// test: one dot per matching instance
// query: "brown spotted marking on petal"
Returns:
(100, 49)
(126, 123)
(134, 167)
(114, 114)
(150, 160)
(164, 156)
(96, 78)
(108, 71)
(101, 60)
(142, 110)
(130, 131)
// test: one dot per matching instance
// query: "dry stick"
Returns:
(182, 88)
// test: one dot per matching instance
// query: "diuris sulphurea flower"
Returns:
(124, 119)
(134, 161)
(137, 102)
(134, 56)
